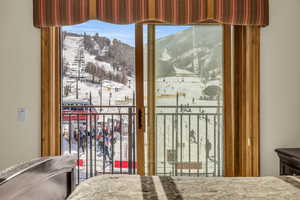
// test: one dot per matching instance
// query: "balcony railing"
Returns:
(188, 140)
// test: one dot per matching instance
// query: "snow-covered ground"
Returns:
(109, 92)
(197, 131)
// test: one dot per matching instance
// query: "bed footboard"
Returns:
(47, 178)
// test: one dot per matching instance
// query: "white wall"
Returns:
(20, 83)
(280, 83)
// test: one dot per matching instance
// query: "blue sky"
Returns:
(125, 33)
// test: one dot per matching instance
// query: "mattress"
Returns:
(114, 187)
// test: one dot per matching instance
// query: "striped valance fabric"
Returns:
(182, 12)
(60, 12)
(242, 12)
(69, 12)
(235, 12)
(122, 11)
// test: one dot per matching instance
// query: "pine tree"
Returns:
(92, 69)
(124, 79)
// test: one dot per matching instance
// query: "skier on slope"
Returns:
(208, 148)
(193, 136)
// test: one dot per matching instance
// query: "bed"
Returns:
(53, 179)
(115, 187)
(49, 178)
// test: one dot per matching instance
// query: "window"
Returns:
(240, 86)
(98, 83)
(98, 78)
(189, 100)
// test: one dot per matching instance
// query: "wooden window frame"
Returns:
(51, 91)
(241, 97)
(246, 79)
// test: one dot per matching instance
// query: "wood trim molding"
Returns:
(50, 52)
(241, 101)
(247, 99)
(229, 134)
(140, 125)
(151, 101)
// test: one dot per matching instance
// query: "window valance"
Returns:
(69, 12)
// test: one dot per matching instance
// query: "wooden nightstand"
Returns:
(289, 161)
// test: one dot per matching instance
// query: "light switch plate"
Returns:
(22, 114)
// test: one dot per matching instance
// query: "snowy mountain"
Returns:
(194, 51)
(111, 56)
(109, 65)
(101, 65)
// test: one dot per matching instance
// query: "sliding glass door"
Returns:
(143, 98)
(184, 81)
(98, 115)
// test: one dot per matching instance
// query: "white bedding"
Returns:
(114, 187)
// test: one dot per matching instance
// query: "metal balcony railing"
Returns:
(189, 140)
